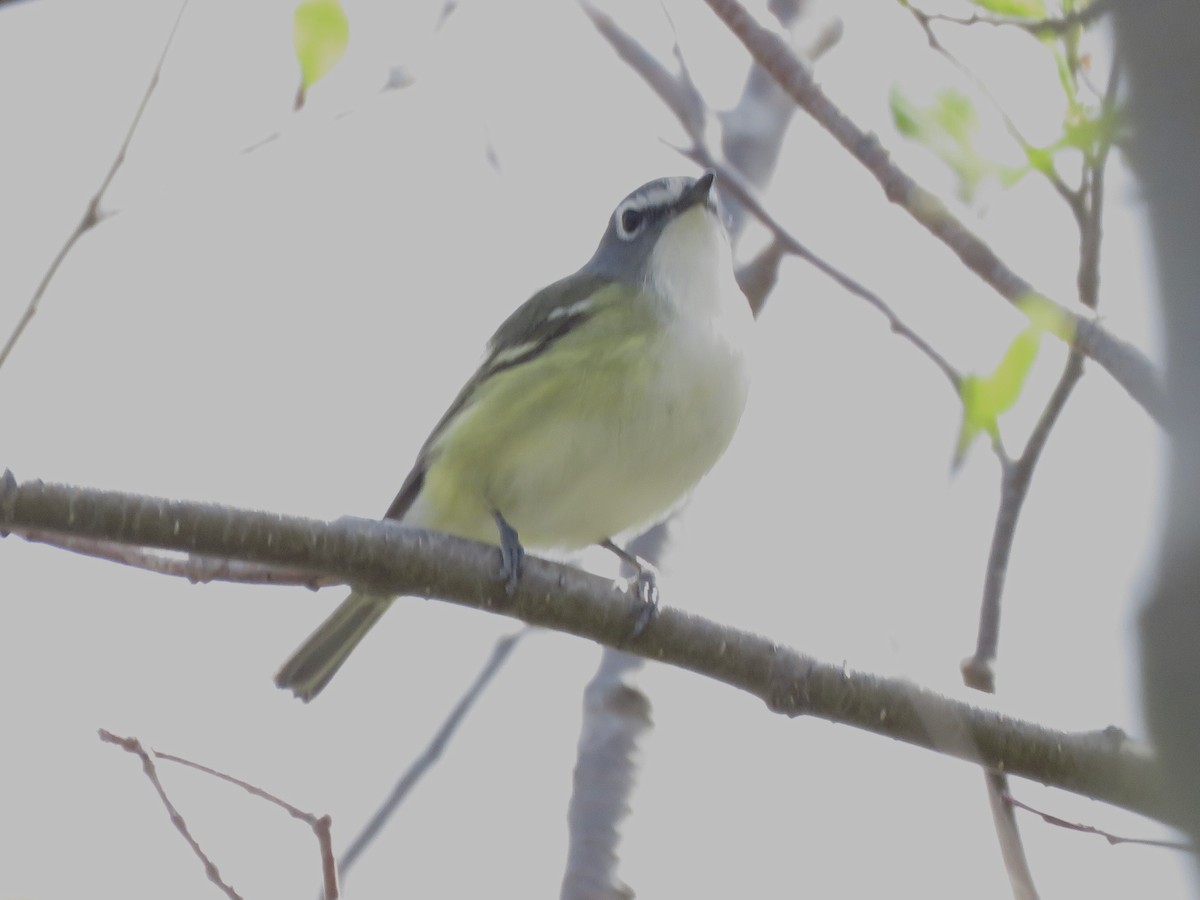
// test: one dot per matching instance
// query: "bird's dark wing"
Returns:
(533, 328)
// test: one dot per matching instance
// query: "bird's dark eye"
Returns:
(631, 221)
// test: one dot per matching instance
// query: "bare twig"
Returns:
(752, 132)
(677, 91)
(321, 825)
(1015, 479)
(1131, 369)
(682, 99)
(395, 560)
(134, 746)
(1016, 475)
(1090, 829)
(1092, 190)
(978, 672)
(1084, 201)
(1035, 27)
(732, 182)
(432, 752)
(196, 569)
(323, 829)
(1073, 198)
(91, 215)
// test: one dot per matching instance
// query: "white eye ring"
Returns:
(628, 220)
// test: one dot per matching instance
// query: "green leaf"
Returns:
(1010, 175)
(320, 34)
(1083, 132)
(985, 398)
(1088, 131)
(1046, 316)
(1021, 9)
(970, 428)
(947, 127)
(1003, 386)
(1040, 158)
(904, 115)
(956, 113)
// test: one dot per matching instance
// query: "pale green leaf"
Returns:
(320, 34)
(947, 127)
(904, 114)
(986, 397)
(1048, 317)
(1021, 9)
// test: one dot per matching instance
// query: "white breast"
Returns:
(610, 444)
(674, 427)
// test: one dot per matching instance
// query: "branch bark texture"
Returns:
(1103, 764)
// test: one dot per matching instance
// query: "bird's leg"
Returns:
(512, 554)
(646, 582)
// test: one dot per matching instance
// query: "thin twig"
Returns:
(1091, 829)
(294, 811)
(731, 181)
(1035, 27)
(678, 92)
(1015, 479)
(321, 825)
(1090, 229)
(91, 215)
(978, 671)
(323, 828)
(1073, 198)
(432, 752)
(133, 745)
(196, 569)
(680, 97)
(1131, 369)
(1016, 475)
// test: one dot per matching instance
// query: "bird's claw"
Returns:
(512, 555)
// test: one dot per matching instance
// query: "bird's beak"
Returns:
(698, 193)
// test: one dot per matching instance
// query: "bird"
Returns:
(600, 403)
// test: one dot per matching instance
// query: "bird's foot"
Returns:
(512, 554)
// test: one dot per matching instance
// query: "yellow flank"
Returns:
(622, 398)
(603, 432)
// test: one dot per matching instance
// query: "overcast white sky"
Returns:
(279, 329)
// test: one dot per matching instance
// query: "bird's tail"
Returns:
(317, 660)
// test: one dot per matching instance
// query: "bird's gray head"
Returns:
(678, 216)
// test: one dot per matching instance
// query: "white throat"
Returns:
(691, 267)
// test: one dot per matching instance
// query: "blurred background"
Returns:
(280, 307)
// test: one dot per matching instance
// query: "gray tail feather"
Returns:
(317, 660)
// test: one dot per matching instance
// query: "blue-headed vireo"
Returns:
(601, 402)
